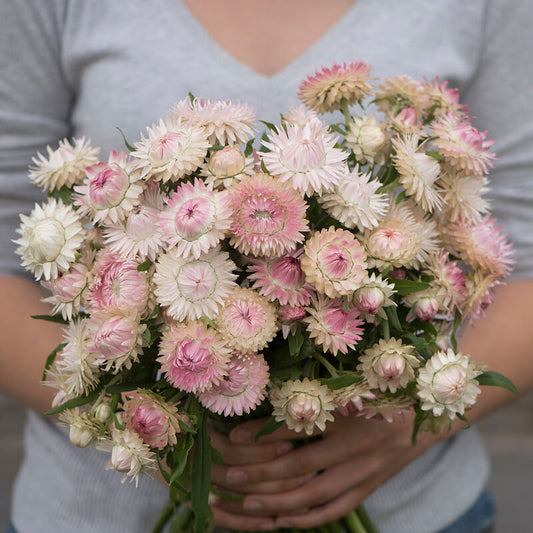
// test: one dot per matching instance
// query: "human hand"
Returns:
(310, 485)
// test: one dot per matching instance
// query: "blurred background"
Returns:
(508, 436)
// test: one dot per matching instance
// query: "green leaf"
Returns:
(495, 379)
(58, 319)
(419, 419)
(51, 358)
(201, 475)
(249, 148)
(145, 265)
(216, 456)
(181, 456)
(269, 125)
(65, 195)
(341, 381)
(267, 428)
(464, 419)
(434, 155)
(392, 316)
(295, 342)
(407, 286)
(453, 336)
(126, 143)
(74, 402)
(208, 322)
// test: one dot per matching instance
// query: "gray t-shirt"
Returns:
(83, 67)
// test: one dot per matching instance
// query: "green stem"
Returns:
(164, 518)
(331, 369)
(346, 112)
(353, 523)
(363, 516)
(181, 520)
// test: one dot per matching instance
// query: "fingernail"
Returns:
(284, 447)
(236, 476)
(241, 436)
(252, 505)
(308, 477)
(266, 526)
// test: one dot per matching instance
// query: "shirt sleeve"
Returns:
(500, 97)
(35, 102)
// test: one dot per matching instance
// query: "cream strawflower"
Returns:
(305, 158)
(195, 218)
(331, 326)
(138, 236)
(246, 320)
(223, 122)
(334, 262)
(387, 407)
(367, 140)
(281, 279)
(68, 291)
(226, 167)
(400, 92)
(403, 238)
(191, 288)
(50, 239)
(463, 196)
(355, 201)
(83, 431)
(389, 365)
(242, 388)
(129, 455)
(479, 293)
(171, 150)
(300, 116)
(302, 405)
(373, 296)
(193, 357)
(447, 383)
(268, 218)
(77, 365)
(110, 190)
(350, 399)
(418, 172)
(64, 166)
(424, 304)
(325, 91)
(463, 147)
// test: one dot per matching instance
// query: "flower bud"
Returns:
(102, 413)
(121, 459)
(288, 314)
(369, 299)
(226, 163)
(46, 240)
(449, 383)
(426, 308)
(406, 118)
(304, 408)
(80, 437)
(390, 366)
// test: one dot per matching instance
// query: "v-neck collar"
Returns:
(213, 47)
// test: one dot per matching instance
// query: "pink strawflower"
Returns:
(117, 283)
(65, 166)
(325, 91)
(157, 422)
(138, 236)
(479, 294)
(305, 158)
(195, 218)
(288, 317)
(373, 296)
(268, 218)
(281, 279)
(334, 262)
(400, 92)
(424, 305)
(449, 280)
(191, 288)
(300, 116)
(223, 122)
(445, 100)
(350, 399)
(463, 147)
(406, 122)
(355, 201)
(242, 388)
(246, 320)
(50, 238)
(193, 357)
(387, 407)
(116, 337)
(481, 245)
(333, 327)
(110, 189)
(171, 150)
(68, 291)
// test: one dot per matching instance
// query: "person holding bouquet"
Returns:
(83, 68)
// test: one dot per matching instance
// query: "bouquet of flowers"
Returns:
(322, 270)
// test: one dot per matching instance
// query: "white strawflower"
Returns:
(367, 139)
(303, 405)
(389, 364)
(447, 383)
(64, 166)
(83, 431)
(50, 238)
(355, 201)
(227, 167)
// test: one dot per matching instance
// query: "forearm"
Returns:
(26, 342)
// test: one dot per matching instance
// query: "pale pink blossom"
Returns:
(331, 326)
(334, 262)
(300, 116)
(423, 305)
(479, 294)
(268, 218)
(445, 100)
(281, 279)
(373, 297)
(288, 317)
(193, 357)
(242, 388)
(367, 140)
(400, 92)
(352, 398)
(305, 158)
(227, 167)
(449, 280)
(325, 91)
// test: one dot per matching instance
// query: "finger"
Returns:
(234, 454)
(239, 522)
(330, 512)
(245, 433)
(312, 457)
